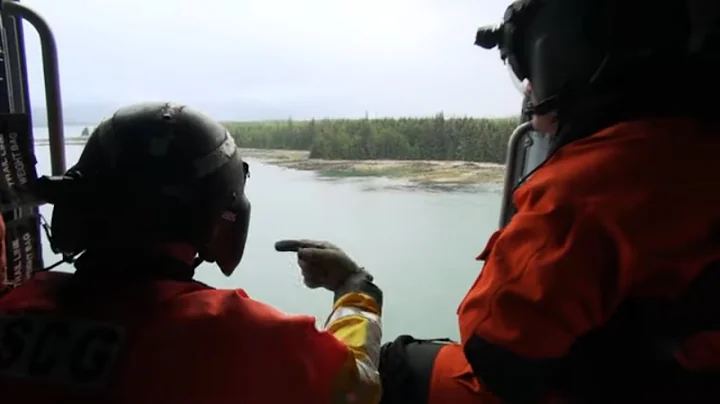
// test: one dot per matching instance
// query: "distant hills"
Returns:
(75, 113)
(91, 114)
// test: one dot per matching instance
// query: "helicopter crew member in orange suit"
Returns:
(158, 189)
(603, 286)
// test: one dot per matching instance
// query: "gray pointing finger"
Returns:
(315, 254)
(295, 245)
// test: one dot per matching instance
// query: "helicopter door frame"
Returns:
(514, 167)
(527, 149)
(13, 13)
(20, 209)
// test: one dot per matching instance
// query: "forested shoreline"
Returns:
(433, 138)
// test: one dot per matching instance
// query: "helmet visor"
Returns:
(521, 85)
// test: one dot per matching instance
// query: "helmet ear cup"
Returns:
(70, 231)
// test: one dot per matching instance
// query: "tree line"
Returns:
(433, 138)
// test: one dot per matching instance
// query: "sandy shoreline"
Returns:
(417, 171)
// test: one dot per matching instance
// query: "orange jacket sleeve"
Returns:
(355, 321)
(550, 276)
(353, 329)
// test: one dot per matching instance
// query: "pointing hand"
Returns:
(322, 263)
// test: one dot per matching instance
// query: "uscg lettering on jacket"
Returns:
(72, 353)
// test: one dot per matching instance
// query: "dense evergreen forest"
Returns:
(434, 138)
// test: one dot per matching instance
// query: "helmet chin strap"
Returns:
(545, 106)
(70, 259)
(66, 258)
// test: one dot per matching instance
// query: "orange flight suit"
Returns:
(453, 382)
(135, 339)
(429, 372)
(604, 286)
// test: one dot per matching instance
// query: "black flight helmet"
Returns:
(574, 50)
(154, 173)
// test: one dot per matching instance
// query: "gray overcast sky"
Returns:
(299, 57)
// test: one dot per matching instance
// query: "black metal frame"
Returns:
(527, 148)
(15, 66)
(20, 209)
